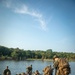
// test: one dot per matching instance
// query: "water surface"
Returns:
(20, 66)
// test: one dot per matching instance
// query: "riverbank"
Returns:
(41, 59)
(30, 59)
(26, 59)
(70, 60)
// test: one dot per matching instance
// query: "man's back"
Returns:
(48, 70)
(7, 71)
(63, 66)
(63, 62)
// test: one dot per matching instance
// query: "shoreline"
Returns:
(29, 59)
(41, 59)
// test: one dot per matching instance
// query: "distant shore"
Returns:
(41, 59)
(31, 59)
(9, 58)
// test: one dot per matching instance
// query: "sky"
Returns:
(38, 24)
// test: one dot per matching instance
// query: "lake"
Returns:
(20, 66)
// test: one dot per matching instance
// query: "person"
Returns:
(29, 70)
(48, 70)
(61, 66)
(7, 71)
(37, 72)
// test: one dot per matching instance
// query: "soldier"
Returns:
(48, 70)
(37, 72)
(61, 66)
(55, 62)
(29, 70)
(7, 71)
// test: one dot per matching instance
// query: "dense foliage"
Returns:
(20, 54)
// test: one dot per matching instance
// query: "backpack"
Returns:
(48, 70)
(64, 65)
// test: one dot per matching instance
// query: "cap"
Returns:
(55, 56)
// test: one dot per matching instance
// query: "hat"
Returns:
(55, 56)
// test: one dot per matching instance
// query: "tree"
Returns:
(49, 50)
(14, 55)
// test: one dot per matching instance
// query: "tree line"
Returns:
(21, 54)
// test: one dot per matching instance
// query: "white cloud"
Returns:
(42, 24)
(23, 9)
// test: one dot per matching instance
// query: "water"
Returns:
(20, 66)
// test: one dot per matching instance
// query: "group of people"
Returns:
(60, 65)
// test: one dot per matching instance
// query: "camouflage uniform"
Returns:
(48, 70)
(61, 66)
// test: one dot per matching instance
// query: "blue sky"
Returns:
(38, 24)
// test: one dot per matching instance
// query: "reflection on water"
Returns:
(20, 66)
